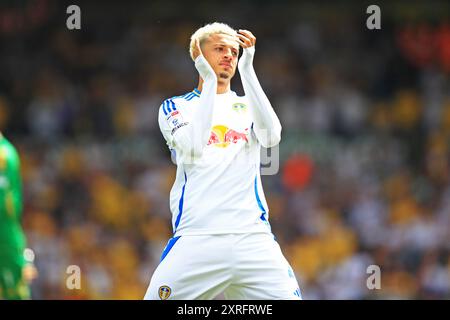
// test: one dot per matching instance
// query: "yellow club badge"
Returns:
(164, 292)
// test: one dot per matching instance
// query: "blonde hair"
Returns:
(204, 32)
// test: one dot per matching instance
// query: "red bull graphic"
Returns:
(222, 136)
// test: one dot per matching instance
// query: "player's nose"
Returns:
(228, 55)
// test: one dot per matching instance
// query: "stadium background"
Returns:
(364, 158)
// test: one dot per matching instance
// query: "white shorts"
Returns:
(241, 266)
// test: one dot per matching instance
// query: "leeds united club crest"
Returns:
(164, 292)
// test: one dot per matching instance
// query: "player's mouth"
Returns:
(225, 64)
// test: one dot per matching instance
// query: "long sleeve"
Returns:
(12, 237)
(267, 126)
(190, 137)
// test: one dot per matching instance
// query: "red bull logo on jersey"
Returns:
(164, 292)
(221, 136)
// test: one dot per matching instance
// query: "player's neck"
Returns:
(222, 86)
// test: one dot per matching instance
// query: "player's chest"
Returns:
(234, 115)
(231, 124)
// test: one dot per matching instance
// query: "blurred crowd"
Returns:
(364, 173)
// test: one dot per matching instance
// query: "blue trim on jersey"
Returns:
(164, 107)
(190, 96)
(263, 218)
(173, 105)
(298, 293)
(169, 102)
(180, 204)
(168, 105)
(169, 246)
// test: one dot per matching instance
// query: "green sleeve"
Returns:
(12, 238)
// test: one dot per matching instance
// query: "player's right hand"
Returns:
(197, 50)
(203, 67)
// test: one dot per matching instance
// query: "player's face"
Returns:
(221, 51)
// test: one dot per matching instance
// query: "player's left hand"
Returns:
(247, 41)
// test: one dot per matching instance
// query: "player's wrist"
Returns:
(249, 50)
(246, 61)
(203, 68)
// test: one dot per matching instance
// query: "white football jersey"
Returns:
(221, 192)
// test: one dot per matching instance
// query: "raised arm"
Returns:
(189, 138)
(267, 126)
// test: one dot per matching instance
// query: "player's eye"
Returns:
(235, 53)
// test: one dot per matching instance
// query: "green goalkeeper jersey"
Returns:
(12, 238)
